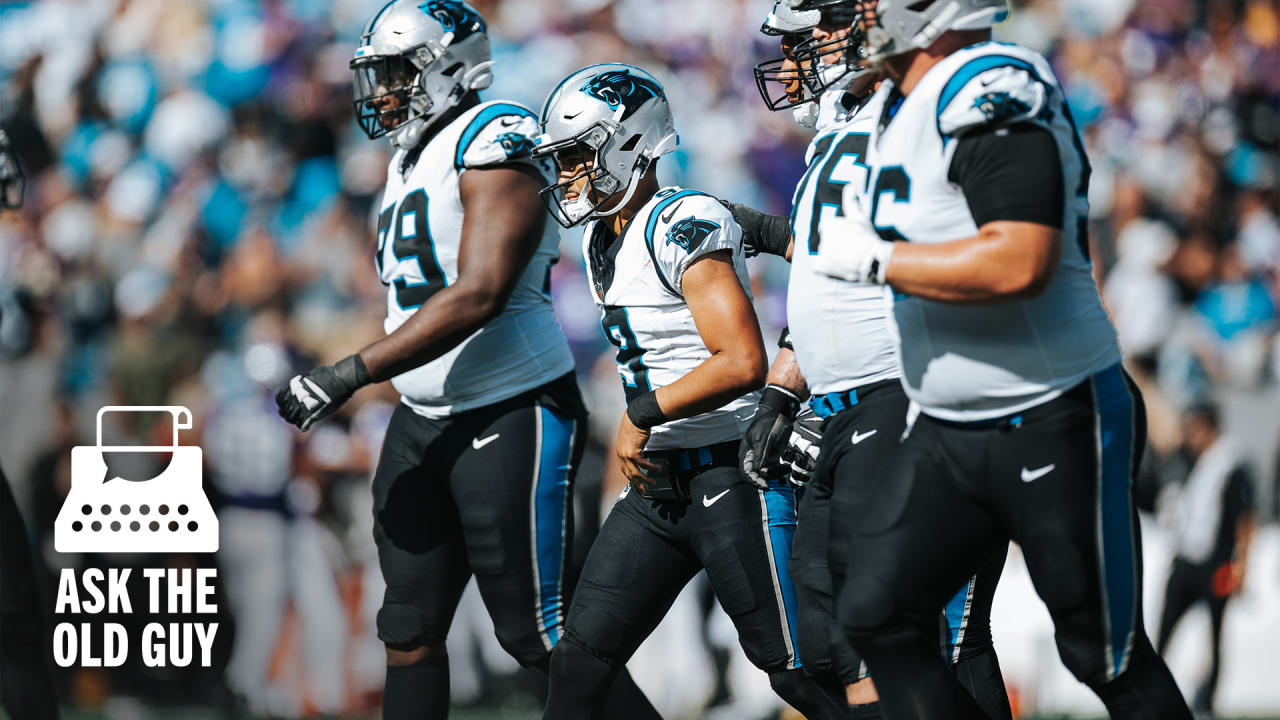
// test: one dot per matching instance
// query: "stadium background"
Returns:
(197, 227)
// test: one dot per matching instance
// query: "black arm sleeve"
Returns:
(761, 232)
(1012, 174)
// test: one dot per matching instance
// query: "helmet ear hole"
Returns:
(630, 144)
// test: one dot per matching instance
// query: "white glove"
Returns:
(850, 248)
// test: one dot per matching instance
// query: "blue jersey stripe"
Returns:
(1115, 408)
(780, 510)
(482, 118)
(976, 67)
(551, 515)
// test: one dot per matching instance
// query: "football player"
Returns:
(974, 214)
(667, 270)
(477, 467)
(839, 340)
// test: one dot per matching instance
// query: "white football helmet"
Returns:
(610, 120)
(898, 26)
(787, 18)
(416, 60)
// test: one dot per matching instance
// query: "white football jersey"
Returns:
(636, 281)
(832, 112)
(840, 330)
(976, 362)
(419, 233)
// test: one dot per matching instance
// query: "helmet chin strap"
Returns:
(631, 189)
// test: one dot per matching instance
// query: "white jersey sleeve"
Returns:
(684, 227)
(501, 133)
(995, 96)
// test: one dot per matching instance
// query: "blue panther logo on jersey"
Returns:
(621, 88)
(999, 106)
(515, 144)
(455, 17)
(690, 232)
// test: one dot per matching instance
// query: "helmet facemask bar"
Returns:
(12, 180)
(786, 74)
(595, 185)
(386, 89)
(815, 56)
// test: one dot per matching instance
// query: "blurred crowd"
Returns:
(197, 227)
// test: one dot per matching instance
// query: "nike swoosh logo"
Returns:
(1033, 475)
(567, 116)
(508, 122)
(857, 438)
(667, 218)
(708, 502)
(477, 443)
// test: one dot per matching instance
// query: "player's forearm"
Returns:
(448, 317)
(994, 266)
(717, 381)
(785, 372)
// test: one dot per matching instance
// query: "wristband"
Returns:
(784, 340)
(352, 371)
(645, 412)
(780, 399)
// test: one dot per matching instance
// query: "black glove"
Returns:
(760, 452)
(802, 448)
(315, 394)
(761, 232)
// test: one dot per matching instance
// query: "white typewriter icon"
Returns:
(168, 513)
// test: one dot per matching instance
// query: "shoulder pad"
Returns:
(499, 133)
(684, 219)
(991, 90)
(683, 225)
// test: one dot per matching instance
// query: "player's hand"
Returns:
(802, 448)
(315, 394)
(761, 232)
(850, 247)
(631, 442)
(760, 452)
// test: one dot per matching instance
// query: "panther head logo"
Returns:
(454, 17)
(690, 232)
(999, 106)
(515, 144)
(620, 88)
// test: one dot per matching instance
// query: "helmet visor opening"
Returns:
(582, 185)
(384, 86)
(826, 62)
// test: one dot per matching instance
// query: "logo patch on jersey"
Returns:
(998, 106)
(690, 232)
(619, 88)
(515, 144)
(454, 17)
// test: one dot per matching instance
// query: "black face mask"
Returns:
(811, 54)
(783, 87)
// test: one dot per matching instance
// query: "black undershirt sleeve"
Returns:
(1012, 174)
